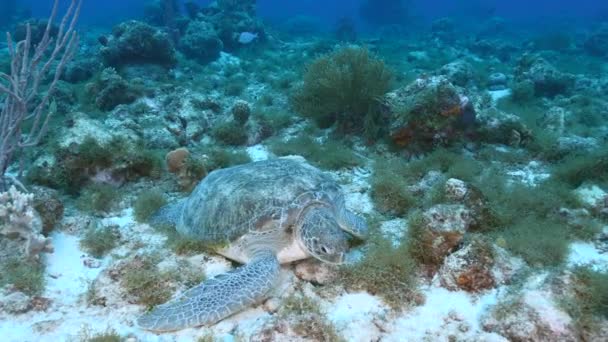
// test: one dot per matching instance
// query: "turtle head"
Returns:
(321, 236)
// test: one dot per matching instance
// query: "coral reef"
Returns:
(111, 90)
(37, 27)
(459, 73)
(135, 42)
(20, 221)
(201, 42)
(427, 113)
(81, 69)
(231, 18)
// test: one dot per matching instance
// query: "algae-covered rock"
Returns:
(496, 126)
(15, 303)
(468, 269)
(49, 206)
(135, 42)
(64, 97)
(531, 318)
(435, 233)
(455, 189)
(37, 27)
(111, 90)
(231, 18)
(531, 315)
(547, 80)
(201, 42)
(554, 120)
(448, 218)
(81, 69)
(428, 112)
(458, 72)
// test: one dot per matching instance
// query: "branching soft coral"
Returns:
(344, 88)
(18, 219)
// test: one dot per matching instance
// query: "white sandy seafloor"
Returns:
(357, 316)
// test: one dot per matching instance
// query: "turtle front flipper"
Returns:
(352, 223)
(216, 298)
(168, 215)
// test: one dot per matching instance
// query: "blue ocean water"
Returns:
(452, 153)
(532, 13)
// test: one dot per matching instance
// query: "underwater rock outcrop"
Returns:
(554, 120)
(81, 69)
(486, 48)
(88, 154)
(111, 90)
(597, 42)
(547, 80)
(469, 268)
(37, 27)
(231, 18)
(201, 42)
(15, 303)
(437, 232)
(135, 42)
(49, 206)
(428, 112)
(497, 81)
(496, 126)
(532, 315)
(459, 72)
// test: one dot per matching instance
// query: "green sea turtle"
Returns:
(264, 214)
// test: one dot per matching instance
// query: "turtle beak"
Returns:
(336, 259)
(339, 259)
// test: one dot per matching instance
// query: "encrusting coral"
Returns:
(19, 219)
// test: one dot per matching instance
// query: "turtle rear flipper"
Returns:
(216, 298)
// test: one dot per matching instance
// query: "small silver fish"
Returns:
(247, 37)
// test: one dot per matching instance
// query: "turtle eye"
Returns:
(325, 250)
